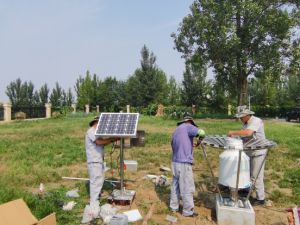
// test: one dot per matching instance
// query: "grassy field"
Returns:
(42, 151)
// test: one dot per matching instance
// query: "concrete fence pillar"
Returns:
(87, 108)
(128, 108)
(7, 111)
(74, 108)
(98, 110)
(193, 109)
(48, 110)
(229, 110)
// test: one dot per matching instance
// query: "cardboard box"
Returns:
(17, 213)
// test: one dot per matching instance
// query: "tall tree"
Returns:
(36, 98)
(21, 94)
(109, 93)
(44, 94)
(293, 75)
(194, 85)
(57, 96)
(148, 81)
(239, 39)
(86, 89)
(69, 100)
(173, 92)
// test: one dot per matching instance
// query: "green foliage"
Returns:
(177, 112)
(194, 85)
(21, 94)
(108, 94)
(148, 84)
(174, 97)
(239, 39)
(150, 110)
(271, 111)
(86, 89)
(44, 94)
(58, 96)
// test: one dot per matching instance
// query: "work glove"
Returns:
(201, 135)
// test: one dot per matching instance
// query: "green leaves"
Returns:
(239, 39)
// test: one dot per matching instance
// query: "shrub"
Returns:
(20, 116)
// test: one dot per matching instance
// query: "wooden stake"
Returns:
(149, 214)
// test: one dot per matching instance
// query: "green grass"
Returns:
(42, 151)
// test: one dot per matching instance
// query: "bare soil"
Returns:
(147, 193)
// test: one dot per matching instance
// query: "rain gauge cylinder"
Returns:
(234, 172)
(229, 165)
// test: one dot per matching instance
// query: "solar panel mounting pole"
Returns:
(120, 125)
(122, 165)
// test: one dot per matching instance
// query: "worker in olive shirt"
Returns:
(95, 161)
(182, 159)
(253, 127)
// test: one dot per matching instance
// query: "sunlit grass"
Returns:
(42, 151)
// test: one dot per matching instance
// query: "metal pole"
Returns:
(237, 178)
(211, 171)
(249, 102)
(253, 184)
(121, 165)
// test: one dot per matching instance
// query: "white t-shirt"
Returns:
(257, 125)
(94, 153)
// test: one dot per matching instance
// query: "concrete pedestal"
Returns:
(229, 215)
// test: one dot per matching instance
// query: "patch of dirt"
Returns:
(147, 194)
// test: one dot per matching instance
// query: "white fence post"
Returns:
(229, 110)
(48, 110)
(128, 108)
(97, 106)
(87, 109)
(74, 108)
(7, 112)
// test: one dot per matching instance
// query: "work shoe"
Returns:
(174, 210)
(256, 202)
(193, 215)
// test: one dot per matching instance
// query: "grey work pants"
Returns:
(255, 164)
(97, 175)
(182, 186)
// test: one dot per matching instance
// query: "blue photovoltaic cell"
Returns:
(117, 124)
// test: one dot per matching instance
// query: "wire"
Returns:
(111, 163)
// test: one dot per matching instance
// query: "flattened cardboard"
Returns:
(48, 220)
(16, 212)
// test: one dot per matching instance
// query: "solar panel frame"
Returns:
(117, 125)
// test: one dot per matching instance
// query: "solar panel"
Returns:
(117, 125)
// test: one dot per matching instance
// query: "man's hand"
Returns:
(198, 142)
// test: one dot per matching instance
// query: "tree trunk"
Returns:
(242, 89)
(240, 63)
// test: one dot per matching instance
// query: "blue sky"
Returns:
(48, 41)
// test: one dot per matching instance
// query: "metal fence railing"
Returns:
(1, 113)
(30, 112)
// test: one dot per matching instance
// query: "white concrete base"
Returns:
(231, 215)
